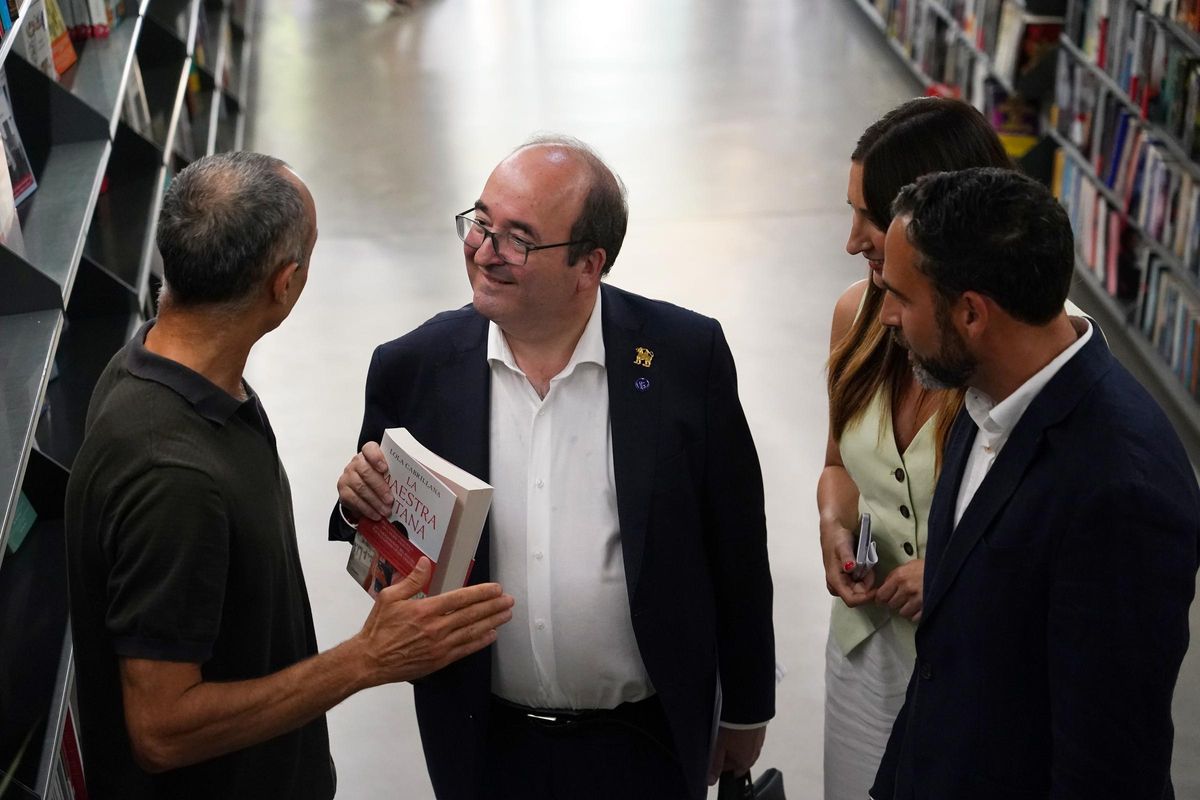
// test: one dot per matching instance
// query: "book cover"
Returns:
(10, 224)
(20, 173)
(60, 38)
(33, 40)
(438, 511)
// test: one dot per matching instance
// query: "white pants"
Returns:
(863, 694)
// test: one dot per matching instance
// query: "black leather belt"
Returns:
(643, 717)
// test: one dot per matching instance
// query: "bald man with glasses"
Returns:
(628, 511)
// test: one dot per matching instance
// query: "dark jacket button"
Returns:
(926, 671)
(904, 512)
(899, 475)
(908, 548)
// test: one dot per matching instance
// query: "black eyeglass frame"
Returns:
(495, 242)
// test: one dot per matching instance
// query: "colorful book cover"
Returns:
(20, 173)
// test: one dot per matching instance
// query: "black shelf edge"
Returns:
(101, 75)
(60, 211)
(1145, 362)
(30, 341)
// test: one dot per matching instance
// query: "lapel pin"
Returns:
(643, 357)
(641, 384)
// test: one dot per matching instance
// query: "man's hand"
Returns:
(735, 751)
(903, 589)
(362, 486)
(405, 639)
(837, 545)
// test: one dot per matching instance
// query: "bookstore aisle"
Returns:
(730, 122)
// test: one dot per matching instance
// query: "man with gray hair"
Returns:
(197, 666)
(627, 517)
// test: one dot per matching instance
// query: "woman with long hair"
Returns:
(885, 437)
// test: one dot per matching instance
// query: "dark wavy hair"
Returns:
(928, 134)
(992, 231)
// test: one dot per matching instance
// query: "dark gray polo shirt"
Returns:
(181, 546)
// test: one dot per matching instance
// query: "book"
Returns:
(10, 224)
(438, 511)
(33, 40)
(60, 38)
(20, 173)
(22, 523)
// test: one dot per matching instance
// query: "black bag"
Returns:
(769, 786)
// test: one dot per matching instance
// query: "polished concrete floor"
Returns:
(731, 122)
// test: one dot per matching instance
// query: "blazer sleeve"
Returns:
(1124, 576)
(737, 536)
(380, 412)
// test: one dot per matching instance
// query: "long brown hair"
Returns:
(929, 134)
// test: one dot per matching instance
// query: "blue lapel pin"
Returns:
(641, 384)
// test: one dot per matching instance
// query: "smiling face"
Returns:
(535, 194)
(920, 319)
(865, 237)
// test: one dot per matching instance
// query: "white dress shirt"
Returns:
(556, 539)
(996, 421)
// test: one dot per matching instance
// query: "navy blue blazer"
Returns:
(689, 500)
(1056, 613)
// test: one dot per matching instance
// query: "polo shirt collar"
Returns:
(210, 401)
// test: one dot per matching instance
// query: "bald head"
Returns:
(603, 213)
(227, 221)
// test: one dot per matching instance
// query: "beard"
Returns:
(949, 368)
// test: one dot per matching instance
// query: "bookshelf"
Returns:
(995, 54)
(1122, 315)
(1126, 171)
(84, 281)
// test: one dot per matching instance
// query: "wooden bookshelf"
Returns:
(78, 291)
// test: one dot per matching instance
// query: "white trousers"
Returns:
(863, 694)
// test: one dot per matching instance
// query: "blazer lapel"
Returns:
(1052, 404)
(945, 496)
(634, 400)
(463, 392)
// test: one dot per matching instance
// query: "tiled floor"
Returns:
(731, 122)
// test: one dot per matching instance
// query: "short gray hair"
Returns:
(605, 215)
(227, 221)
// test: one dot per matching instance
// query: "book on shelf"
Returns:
(9, 11)
(60, 38)
(135, 108)
(33, 40)
(438, 511)
(20, 172)
(10, 223)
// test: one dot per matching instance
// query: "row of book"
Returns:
(1130, 157)
(1153, 62)
(973, 50)
(1160, 301)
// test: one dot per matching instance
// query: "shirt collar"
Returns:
(210, 401)
(999, 419)
(589, 349)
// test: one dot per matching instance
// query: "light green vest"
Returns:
(896, 490)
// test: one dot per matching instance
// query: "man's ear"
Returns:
(281, 281)
(973, 313)
(591, 266)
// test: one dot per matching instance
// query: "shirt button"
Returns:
(541, 624)
(899, 473)
(539, 483)
(904, 512)
(908, 548)
(538, 555)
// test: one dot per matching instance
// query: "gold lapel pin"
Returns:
(643, 357)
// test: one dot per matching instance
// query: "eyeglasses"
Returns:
(509, 246)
